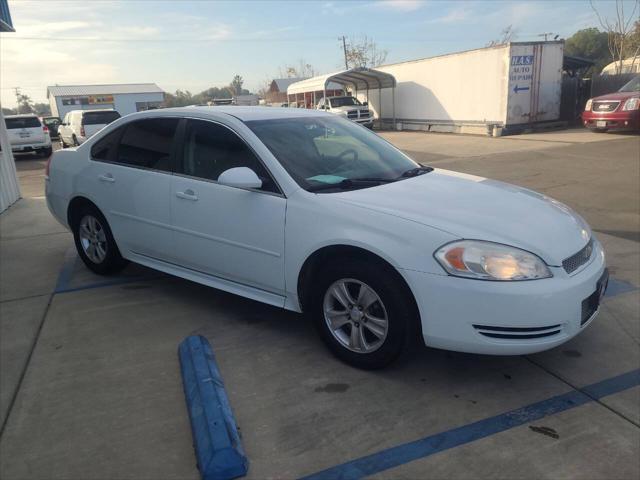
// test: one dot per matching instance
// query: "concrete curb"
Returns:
(215, 434)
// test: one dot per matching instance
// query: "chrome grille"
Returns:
(605, 106)
(352, 114)
(575, 261)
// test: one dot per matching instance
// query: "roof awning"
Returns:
(576, 63)
(359, 78)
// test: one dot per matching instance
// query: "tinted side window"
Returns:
(105, 148)
(99, 118)
(210, 149)
(148, 143)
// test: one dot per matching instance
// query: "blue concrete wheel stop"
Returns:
(215, 434)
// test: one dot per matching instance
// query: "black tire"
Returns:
(403, 322)
(46, 152)
(75, 141)
(112, 261)
(62, 144)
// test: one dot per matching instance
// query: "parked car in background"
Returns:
(348, 107)
(615, 111)
(52, 124)
(28, 134)
(79, 125)
(309, 212)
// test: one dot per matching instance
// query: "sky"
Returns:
(195, 45)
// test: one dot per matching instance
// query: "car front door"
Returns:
(232, 233)
(130, 178)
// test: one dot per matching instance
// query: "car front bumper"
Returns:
(507, 318)
(622, 120)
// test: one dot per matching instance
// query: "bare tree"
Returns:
(508, 34)
(236, 84)
(363, 52)
(619, 30)
(302, 69)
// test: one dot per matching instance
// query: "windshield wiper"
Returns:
(348, 183)
(414, 172)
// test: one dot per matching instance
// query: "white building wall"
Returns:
(123, 103)
(9, 188)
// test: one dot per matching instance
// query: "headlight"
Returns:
(631, 104)
(587, 107)
(490, 261)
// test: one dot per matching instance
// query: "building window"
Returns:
(142, 106)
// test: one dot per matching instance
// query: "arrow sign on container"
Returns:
(517, 89)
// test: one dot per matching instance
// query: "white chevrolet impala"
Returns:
(310, 212)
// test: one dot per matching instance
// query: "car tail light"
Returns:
(45, 129)
(82, 131)
(631, 104)
(587, 107)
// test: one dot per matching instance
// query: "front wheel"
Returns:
(363, 313)
(94, 242)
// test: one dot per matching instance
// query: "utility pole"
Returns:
(344, 48)
(545, 35)
(17, 90)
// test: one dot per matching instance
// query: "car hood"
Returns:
(616, 96)
(479, 208)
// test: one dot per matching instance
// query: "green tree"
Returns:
(25, 104)
(592, 44)
(237, 83)
(42, 109)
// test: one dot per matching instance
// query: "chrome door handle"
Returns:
(107, 177)
(187, 195)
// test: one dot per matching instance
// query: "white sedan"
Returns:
(310, 212)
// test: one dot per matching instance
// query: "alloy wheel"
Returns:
(355, 315)
(93, 238)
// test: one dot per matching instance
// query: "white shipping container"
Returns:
(475, 91)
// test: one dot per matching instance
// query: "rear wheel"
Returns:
(363, 314)
(94, 241)
(46, 152)
(62, 143)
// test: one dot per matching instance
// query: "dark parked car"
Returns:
(52, 123)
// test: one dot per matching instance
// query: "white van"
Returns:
(28, 134)
(78, 125)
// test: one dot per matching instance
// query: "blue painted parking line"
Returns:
(408, 452)
(618, 287)
(65, 277)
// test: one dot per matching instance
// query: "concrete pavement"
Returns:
(101, 396)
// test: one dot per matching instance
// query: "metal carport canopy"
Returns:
(360, 78)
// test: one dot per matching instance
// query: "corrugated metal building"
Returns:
(125, 98)
(9, 188)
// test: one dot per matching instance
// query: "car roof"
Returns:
(242, 113)
(93, 110)
(22, 115)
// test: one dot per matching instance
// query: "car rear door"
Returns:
(130, 179)
(232, 233)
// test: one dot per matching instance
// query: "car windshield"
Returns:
(632, 86)
(100, 118)
(51, 121)
(22, 122)
(344, 101)
(321, 153)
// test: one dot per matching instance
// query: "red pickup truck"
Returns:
(615, 111)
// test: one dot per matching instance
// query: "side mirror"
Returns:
(241, 177)
(365, 104)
